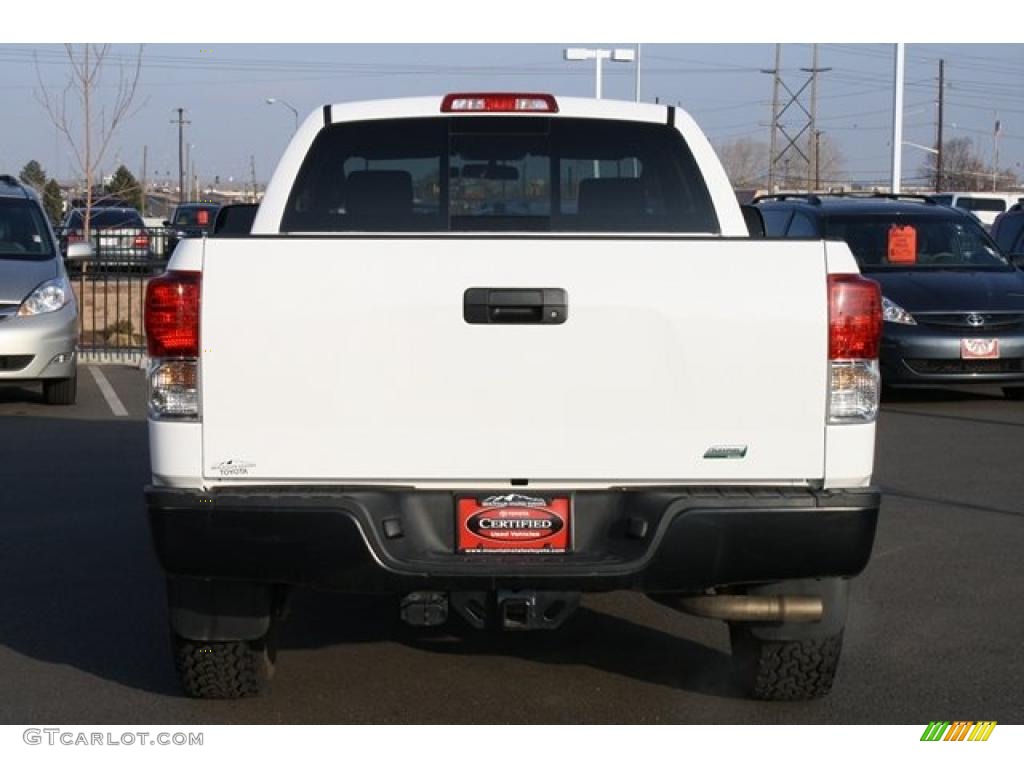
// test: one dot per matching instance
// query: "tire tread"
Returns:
(221, 670)
(797, 670)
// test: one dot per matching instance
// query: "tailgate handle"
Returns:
(539, 306)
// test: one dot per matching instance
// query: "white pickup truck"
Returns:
(488, 352)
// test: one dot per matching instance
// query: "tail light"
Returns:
(142, 241)
(75, 237)
(172, 339)
(854, 337)
(499, 102)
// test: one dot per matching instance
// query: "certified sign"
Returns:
(513, 523)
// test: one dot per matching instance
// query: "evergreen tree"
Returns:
(33, 175)
(53, 201)
(125, 187)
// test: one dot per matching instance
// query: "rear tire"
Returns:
(791, 661)
(795, 670)
(224, 670)
(60, 391)
(1013, 393)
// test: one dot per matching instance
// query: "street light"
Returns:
(283, 103)
(598, 55)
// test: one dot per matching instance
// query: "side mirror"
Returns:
(79, 252)
(754, 220)
(167, 222)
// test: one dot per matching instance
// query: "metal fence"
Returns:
(110, 287)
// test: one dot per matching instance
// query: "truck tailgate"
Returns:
(349, 360)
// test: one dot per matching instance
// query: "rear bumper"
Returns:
(654, 540)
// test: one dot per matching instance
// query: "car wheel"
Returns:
(794, 670)
(1013, 393)
(791, 661)
(224, 670)
(60, 391)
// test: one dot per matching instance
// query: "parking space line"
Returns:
(116, 406)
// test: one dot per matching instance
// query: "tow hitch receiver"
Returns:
(515, 610)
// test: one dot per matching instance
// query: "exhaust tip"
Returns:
(767, 608)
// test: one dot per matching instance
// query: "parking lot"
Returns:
(935, 630)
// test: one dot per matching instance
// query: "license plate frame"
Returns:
(514, 523)
(979, 349)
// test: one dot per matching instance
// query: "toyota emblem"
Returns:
(975, 320)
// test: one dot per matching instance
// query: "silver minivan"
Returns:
(38, 311)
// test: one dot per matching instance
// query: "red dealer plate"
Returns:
(514, 522)
(979, 349)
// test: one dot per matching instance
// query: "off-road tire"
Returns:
(60, 391)
(772, 670)
(223, 670)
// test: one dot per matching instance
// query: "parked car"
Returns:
(38, 311)
(119, 235)
(1008, 232)
(985, 205)
(235, 219)
(487, 399)
(953, 303)
(190, 220)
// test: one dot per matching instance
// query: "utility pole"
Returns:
(995, 152)
(182, 122)
(812, 139)
(794, 141)
(812, 125)
(252, 171)
(142, 181)
(817, 160)
(772, 143)
(938, 142)
(897, 123)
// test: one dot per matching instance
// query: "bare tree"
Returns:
(90, 135)
(964, 169)
(745, 162)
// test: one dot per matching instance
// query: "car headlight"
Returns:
(894, 313)
(49, 297)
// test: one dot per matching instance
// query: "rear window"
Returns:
(981, 204)
(197, 216)
(499, 174)
(23, 231)
(107, 218)
(881, 241)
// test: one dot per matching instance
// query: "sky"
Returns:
(224, 87)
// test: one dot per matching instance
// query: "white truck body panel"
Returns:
(351, 361)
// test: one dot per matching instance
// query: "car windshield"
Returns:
(888, 241)
(23, 231)
(195, 216)
(499, 174)
(107, 218)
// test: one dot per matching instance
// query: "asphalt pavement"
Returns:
(935, 632)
